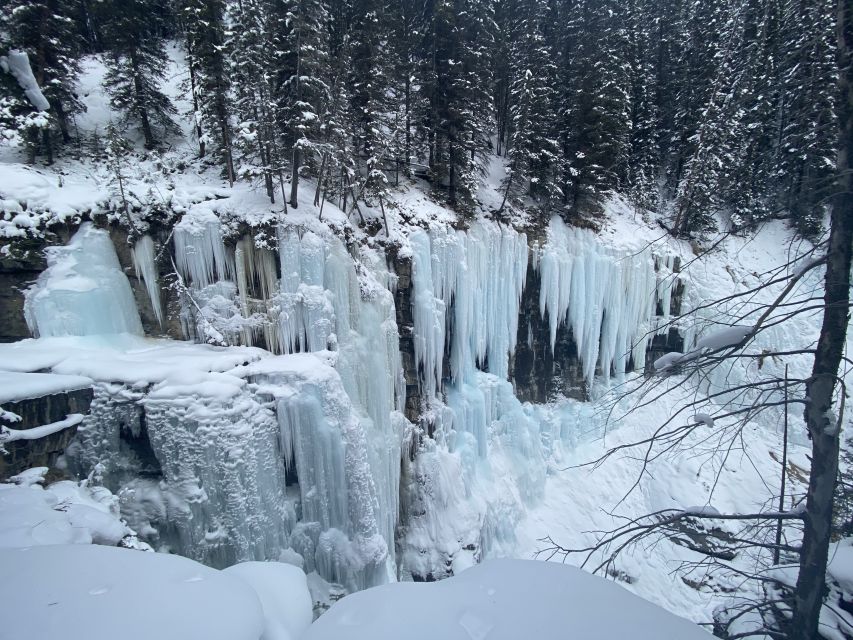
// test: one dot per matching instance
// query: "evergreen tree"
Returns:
(454, 80)
(534, 155)
(46, 30)
(805, 155)
(256, 142)
(595, 114)
(209, 79)
(136, 65)
(644, 151)
(301, 40)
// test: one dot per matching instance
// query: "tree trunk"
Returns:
(822, 425)
(294, 179)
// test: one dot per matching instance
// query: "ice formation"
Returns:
(144, 263)
(83, 291)
(234, 454)
(606, 298)
(17, 63)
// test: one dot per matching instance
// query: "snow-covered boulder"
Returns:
(503, 600)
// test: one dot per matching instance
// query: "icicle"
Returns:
(145, 267)
(606, 298)
(200, 252)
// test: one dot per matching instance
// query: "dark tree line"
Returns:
(687, 106)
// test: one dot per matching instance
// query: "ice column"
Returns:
(144, 263)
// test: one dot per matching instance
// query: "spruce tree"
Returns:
(300, 68)
(136, 66)
(534, 156)
(595, 115)
(209, 79)
(806, 152)
(46, 30)
(257, 148)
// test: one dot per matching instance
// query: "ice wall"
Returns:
(83, 291)
(326, 303)
(467, 289)
(467, 285)
(342, 444)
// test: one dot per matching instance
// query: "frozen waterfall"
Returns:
(301, 451)
(83, 291)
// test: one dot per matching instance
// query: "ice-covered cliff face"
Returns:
(232, 453)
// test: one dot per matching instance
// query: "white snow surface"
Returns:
(92, 592)
(65, 512)
(502, 600)
(283, 593)
(16, 386)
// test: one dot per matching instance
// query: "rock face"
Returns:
(35, 412)
(406, 329)
(537, 372)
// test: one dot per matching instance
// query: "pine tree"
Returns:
(805, 156)
(595, 117)
(209, 79)
(301, 41)
(454, 79)
(644, 151)
(534, 155)
(257, 146)
(136, 66)
(46, 30)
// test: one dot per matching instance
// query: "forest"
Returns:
(687, 107)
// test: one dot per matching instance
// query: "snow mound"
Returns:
(64, 513)
(90, 592)
(502, 599)
(283, 592)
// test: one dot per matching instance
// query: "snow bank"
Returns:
(283, 593)
(90, 592)
(502, 599)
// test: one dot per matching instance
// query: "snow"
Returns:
(11, 435)
(704, 419)
(23, 386)
(282, 590)
(502, 599)
(723, 338)
(64, 513)
(17, 63)
(83, 291)
(91, 592)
